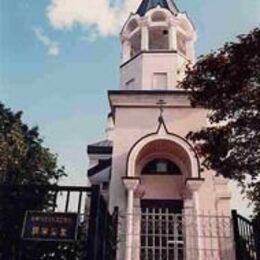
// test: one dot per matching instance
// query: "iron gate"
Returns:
(161, 235)
(161, 230)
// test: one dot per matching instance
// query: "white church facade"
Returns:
(169, 208)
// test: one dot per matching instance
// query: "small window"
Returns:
(130, 84)
(158, 38)
(160, 81)
(132, 26)
(161, 166)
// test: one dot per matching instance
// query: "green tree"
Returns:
(23, 161)
(226, 83)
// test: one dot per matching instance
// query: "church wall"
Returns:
(131, 74)
(181, 66)
(142, 68)
(133, 123)
(141, 121)
(207, 196)
(167, 65)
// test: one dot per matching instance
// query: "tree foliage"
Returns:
(23, 158)
(23, 161)
(227, 83)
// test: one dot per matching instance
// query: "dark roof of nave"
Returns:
(146, 5)
(102, 147)
(102, 165)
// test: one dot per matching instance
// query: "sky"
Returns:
(58, 58)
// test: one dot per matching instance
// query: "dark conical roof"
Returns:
(146, 5)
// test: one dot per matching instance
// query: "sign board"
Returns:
(50, 226)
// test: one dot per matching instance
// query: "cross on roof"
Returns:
(161, 103)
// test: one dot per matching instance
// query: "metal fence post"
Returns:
(104, 235)
(92, 239)
(115, 217)
(236, 235)
(256, 231)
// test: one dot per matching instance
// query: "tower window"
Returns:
(132, 26)
(135, 43)
(160, 81)
(161, 166)
(158, 38)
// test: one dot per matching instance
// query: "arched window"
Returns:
(158, 17)
(161, 167)
(132, 25)
(135, 43)
(158, 38)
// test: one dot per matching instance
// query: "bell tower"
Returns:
(146, 166)
(157, 44)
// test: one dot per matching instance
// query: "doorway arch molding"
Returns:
(162, 134)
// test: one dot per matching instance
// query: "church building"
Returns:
(169, 207)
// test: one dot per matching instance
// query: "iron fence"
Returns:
(247, 238)
(160, 234)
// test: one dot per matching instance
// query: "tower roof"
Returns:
(146, 5)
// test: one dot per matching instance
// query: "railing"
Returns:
(247, 238)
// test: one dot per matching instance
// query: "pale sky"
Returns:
(58, 58)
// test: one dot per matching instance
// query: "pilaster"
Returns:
(144, 36)
(193, 221)
(172, 35)
(130, 183)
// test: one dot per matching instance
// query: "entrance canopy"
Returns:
(162, 145)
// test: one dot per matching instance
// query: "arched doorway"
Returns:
(162, 163)
(162, 166)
